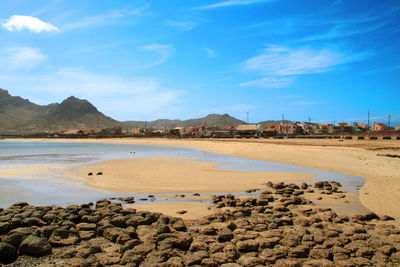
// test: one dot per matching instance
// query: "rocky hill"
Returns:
(211, 119)
(21, 115)
(18, 115)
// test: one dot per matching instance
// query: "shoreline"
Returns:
(380, 194)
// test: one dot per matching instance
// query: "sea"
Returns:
(56, 190)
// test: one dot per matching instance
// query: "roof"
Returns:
(250, 127)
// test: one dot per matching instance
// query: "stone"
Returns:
(118, 221)
(224, 235)
(247, 246)
(35, 246)
(63, 237)
(4, 227)
(8, 253)
(86, 227)
(112, 233)
(299, 252)
(250, 261)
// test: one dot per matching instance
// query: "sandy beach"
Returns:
(380, 194)
(286, 224)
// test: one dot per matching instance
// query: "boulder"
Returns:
(8, 253)
(4, 227)
(34, 246)
(247, 246)
(225, 234)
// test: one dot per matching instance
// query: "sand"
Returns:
(175, 175)
(381, 193)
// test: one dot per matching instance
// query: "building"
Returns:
(397, 127)
(379, 127)
(292, 128)
(250, 129)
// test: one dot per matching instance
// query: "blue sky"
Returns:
(181, 59)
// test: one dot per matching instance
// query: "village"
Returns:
(262, 130)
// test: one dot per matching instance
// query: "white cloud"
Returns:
(279, 60)
(232, 3)
(270, 82)
(106, 19)
(21, 57)
(209, 52)
(160, 52)
(183, 25)
(19, 23)
(121, 98)
(278, 64)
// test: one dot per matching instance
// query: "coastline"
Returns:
(380, 194)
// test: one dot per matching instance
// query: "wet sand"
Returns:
(175, 175)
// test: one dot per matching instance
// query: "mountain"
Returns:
(21, 115)
(211, 119)
(18, 115)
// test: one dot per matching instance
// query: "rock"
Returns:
(34, 246)
(250, 261)
(129, 245)
(118, 221)
(20, 204)
(32, 221)
(323, 263)
(181, 211)
(4, 227)
(366, 217)
(365, 252)
(224, 235)
(269, 242)
(111, 233)
(298, 252)
(388, 250)
(387, 218)
(179, 225)
(63, 237)
(86, 227)
(8, 253)
(319, 253)
(86, 235)
(47, 230)
(221, 258)
(247, 246)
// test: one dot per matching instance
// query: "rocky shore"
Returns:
(280, 227)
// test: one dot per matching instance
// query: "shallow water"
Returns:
(63, 192)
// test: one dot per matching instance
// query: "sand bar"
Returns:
(174, 175)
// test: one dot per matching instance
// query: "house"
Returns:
(379, 127)
(249, 129)
(272, 127)
(138, 131)
(363, 125)
(72, 132)
(397, 127)
(292, 128)
(308, 128)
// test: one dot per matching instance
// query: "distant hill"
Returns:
(211, 119)
(21, 115)
(18, 115)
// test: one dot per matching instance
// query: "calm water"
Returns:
(63, 192)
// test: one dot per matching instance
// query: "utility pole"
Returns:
(309, 120)
(283, 121)
(368, 119)
(389, 126)
(247, 117)
(334, 122)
